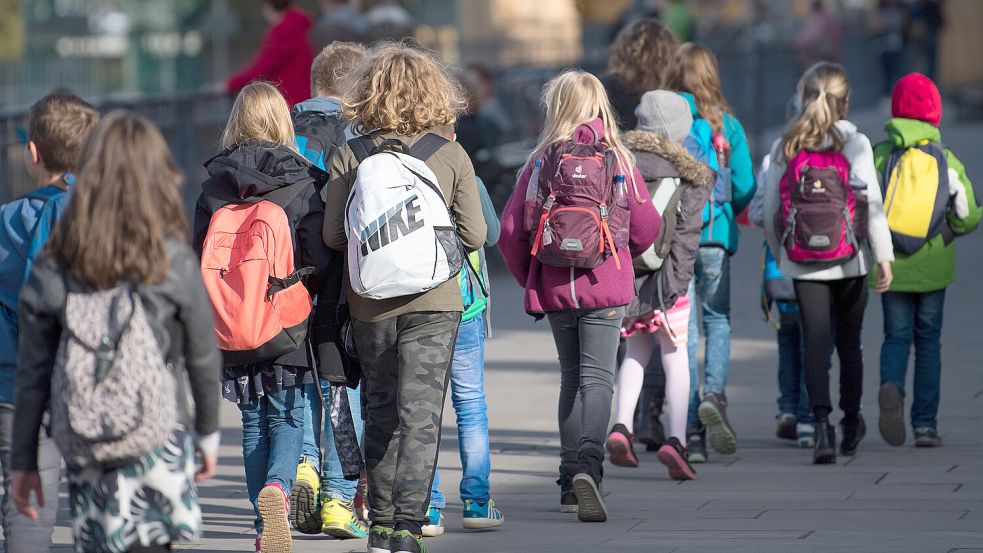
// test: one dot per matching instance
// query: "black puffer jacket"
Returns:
(658, 157)
(179, 314)
(265, 171)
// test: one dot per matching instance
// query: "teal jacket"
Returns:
(724, 230)
(933, 267)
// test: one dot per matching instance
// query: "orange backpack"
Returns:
(259, 303)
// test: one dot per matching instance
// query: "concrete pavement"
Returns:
(767, 497)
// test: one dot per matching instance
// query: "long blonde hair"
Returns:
(403, 90)
(825, 92)
(260, 113)
(571, 99)
(694, 69)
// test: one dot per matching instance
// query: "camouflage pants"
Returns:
(405, 363)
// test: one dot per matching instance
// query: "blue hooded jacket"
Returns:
(723, 232)
(25, 224)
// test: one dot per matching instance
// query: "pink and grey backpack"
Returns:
(576, 205)
(822, 219)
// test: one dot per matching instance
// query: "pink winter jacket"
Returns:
(551, 288)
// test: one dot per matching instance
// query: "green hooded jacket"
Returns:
(933, 267)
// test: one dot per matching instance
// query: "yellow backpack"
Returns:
(916, 195)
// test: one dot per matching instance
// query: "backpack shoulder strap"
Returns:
(427, 146)
(362, 147)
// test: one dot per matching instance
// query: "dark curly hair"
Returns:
(639, 53)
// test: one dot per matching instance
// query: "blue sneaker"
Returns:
(481, 516)
(435, 523)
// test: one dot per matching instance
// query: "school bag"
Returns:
(576, 206)
(112, 392)
(666, 196)
(260, 305)
(318, 135)
(402, 238)
(821, 218)
(916, 196)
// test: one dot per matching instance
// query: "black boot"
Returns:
(825, 452)
(568, 500)
(854, 429)
(587, 486)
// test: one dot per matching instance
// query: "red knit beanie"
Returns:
(915, 96)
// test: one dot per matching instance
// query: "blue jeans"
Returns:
(468, 398)
(911, 318)
(711, 284)
(793, 397)
(333, 483)
(272, 437)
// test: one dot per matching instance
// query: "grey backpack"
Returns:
(666, 195)
(112, 393)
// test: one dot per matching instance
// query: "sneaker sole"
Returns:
(378, 550)
(569, 509)
(721, 436)
(678, 470)
(590, 506)
(342, 532)
(824, 458)
(619, 451)
(482, 523)
(276, 530)
(304, 514)
(432, 531)
(891, 420)
(928, 443)
(697, 458)
(807, 442)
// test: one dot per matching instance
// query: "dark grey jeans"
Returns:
(587, 345)
(405, 364)
(22, 535)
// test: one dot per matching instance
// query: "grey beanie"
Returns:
(666, 113)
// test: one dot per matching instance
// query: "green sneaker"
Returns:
(403, 541)
(481, 516)
(338, 520)
(379, 539)
(435, 523)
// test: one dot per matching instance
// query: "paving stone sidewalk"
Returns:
(766, 498)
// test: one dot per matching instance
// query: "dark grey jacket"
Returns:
(179, 314)
(658, 157)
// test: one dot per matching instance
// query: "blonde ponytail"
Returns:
(824, 91)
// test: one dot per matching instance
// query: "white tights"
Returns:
(675, 361)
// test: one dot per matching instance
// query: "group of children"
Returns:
(338, 346)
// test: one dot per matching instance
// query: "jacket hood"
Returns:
(905, 133)
(295, 22)
(329, 106)
(667, 158)
(584, 136)
(251, 172)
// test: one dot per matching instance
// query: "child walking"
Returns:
(680, 186)
(261, 168)
(578, 273)
(694, 73)
(404, 331)
(57, 128)
(942, 195)
(824, 219)
(117, 267)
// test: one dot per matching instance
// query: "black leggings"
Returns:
(825, 306)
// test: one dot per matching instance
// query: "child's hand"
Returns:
(884, 277)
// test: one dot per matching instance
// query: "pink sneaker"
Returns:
(274, 506)
(673, 455)
(619, 447)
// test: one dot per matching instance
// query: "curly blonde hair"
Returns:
(825, 92)
(639, 53)
(403, 90)
(694, 69)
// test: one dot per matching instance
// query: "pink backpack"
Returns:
(821, 219)
(576, 205)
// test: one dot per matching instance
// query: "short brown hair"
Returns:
(402, 90)
(332, 65)
(125, 205)
(58, 125)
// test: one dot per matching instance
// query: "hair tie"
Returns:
(822, 93)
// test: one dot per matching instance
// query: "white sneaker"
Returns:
(806, 434)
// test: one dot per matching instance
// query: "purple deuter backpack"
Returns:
(576, 206)
(821, 219)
